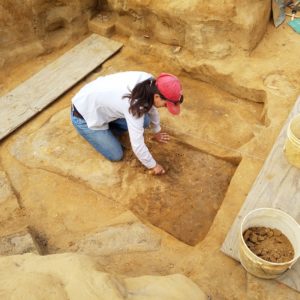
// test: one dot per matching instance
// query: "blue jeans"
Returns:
(105, 141)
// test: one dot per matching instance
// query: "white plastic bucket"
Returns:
(274, 219)
(292, 144)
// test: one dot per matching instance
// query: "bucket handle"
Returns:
(269, 270)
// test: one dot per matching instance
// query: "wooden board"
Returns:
(40, 90)
(276, 186)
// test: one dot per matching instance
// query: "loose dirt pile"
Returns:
(269, 244)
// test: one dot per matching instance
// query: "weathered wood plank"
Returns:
(40, 90)
(277, 186)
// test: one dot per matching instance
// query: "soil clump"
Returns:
(269, 244)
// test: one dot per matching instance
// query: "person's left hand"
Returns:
(161, 137)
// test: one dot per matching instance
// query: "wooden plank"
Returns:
(277, 186)
(40, 90)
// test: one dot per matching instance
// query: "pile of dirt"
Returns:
(269, 244)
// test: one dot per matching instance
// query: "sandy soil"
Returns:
(223, 137)
(194, 190)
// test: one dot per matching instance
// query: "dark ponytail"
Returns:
(141, 98)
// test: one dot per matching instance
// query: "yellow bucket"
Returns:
(275, 219)
(292, 144)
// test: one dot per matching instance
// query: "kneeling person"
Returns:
(125, 101)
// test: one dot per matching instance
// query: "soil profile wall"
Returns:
(208, 29)
(29, 28)
(205, 28)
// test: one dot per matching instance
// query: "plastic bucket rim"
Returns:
(292, 137)
(290, 262)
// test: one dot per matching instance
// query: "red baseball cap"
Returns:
(170, 88)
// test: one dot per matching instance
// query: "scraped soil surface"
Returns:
(63, 208)
(269, 244)
(185, 200)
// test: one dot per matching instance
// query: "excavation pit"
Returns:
(239, 85)
(49, 157)
(185, 201)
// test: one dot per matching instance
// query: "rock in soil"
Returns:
(19, 243)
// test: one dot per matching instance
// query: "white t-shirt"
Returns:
(101, 102)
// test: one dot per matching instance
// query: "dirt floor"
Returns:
(185, 202)
(219, 143)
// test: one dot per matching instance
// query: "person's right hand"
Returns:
(158, 170)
